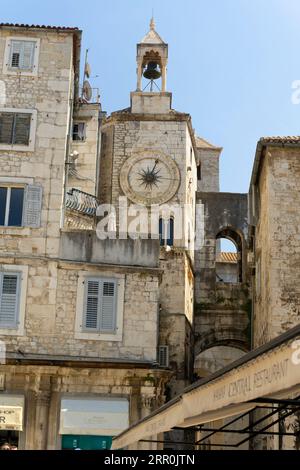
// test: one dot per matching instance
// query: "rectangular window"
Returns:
(11, 206)
(163, 356)
(9, 299)
(79, 131)
(100, 305)
(199, 172)
(20, 206)
(22, 55)
(15, 128)
(166, 232)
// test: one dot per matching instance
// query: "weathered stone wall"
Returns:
(209, 161)
(87, 162)
(277, 245)
(51, 310)
(135, 135)
(222, 310)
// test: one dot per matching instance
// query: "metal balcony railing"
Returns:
(94, 97)
(82, 202)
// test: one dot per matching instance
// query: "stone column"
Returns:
(146, 401)
(41, 419)
(53, 438)
(139, 78)
(163, 78)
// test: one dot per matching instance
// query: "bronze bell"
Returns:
(152, 71)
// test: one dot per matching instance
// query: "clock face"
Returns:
(149, 178)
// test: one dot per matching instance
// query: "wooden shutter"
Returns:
(91, 314)
(108, 306)
(21, 129)
(6, 128)
(32, 206)
(9, 295)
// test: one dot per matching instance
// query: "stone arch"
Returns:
(222, 337)
(215, 358)
(237, 238)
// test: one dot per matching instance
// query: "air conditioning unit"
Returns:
(163, 356)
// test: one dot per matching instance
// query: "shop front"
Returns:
(11, 419)
(90, 423)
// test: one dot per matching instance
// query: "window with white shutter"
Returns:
(9, 299)
(22, 55)
(100, 305)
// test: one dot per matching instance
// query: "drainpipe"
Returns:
(67, 162)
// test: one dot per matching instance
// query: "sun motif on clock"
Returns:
(149, 177)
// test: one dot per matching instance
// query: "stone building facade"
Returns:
(79, 326)
(274, 242)
(99, 331)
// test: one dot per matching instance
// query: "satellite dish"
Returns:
(87, 90)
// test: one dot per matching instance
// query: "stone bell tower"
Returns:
(149, 156)
(152, 59)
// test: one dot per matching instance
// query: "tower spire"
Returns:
(152, 24)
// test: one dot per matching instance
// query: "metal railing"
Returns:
(95, 96)
(82, 202)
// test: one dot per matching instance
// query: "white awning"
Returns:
(11, 412)
(94, 416)
(270, 371)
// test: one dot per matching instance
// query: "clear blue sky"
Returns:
(231, 63)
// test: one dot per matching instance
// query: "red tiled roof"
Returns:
(226, 257)
(19, 25)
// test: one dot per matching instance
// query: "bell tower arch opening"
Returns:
(152, 58)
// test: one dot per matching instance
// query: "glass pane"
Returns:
(161, 232)
(3, 193)
(170, 233)
(16, 207)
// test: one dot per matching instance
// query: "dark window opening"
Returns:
(79, 131)
(199, 172)
(166, 232)
(15, 60)
(11, 206)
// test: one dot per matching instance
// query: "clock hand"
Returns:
(156, 162)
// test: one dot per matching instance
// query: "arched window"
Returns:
(229, 256)
(166, 232)
(226, 262)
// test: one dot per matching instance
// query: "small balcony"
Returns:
(81, 202)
